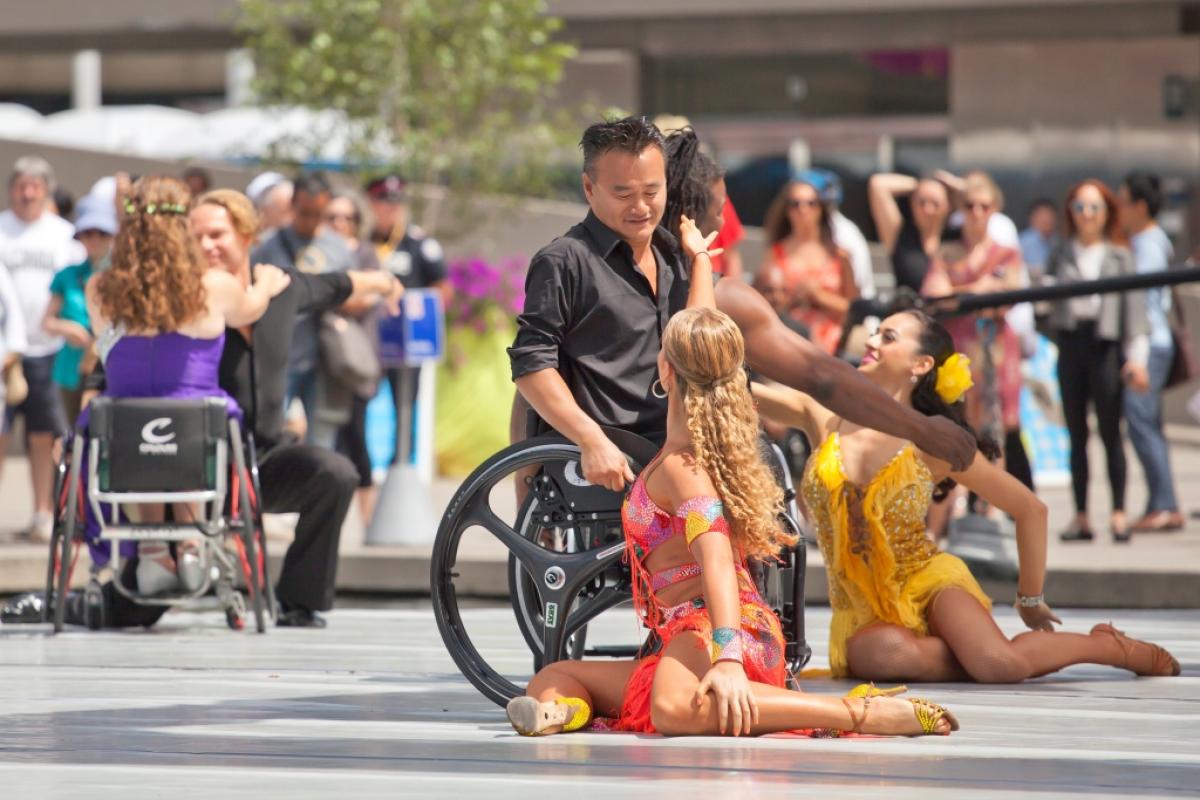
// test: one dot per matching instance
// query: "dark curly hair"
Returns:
(691, 174)
(935, 341)
(155, 283)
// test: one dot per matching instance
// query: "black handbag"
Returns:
(348, 354)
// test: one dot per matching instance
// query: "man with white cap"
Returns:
(271, 194)
(34, 245)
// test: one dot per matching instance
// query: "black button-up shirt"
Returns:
(255, 372)
(590, 314)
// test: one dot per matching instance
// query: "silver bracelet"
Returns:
(1029, 601)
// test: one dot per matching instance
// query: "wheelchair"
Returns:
(162, 451)
(565, 558)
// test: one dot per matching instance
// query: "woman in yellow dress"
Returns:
(902, 610)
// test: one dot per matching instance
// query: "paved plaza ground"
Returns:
(374, 707)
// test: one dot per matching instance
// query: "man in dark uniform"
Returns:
(407, 252)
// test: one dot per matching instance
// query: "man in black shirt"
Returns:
(598, 298)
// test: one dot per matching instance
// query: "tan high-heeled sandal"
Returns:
(928, 714)
(1162, 664)
(531, 717)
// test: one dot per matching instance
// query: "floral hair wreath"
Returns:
(178, 209)
(954, 378)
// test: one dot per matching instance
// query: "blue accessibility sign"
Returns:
(418, 334)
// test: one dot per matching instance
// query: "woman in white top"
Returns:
(1102, 344)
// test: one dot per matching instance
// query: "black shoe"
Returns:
(1076, 535)
(24, 609)
(1121, 536)
(299, 618)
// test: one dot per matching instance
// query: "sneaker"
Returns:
(298, 617)
(23, 609)
(41, 528)
(156, 570)
(190, 569)
(1074, 534)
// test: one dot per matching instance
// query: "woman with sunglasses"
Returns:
(978, 265)
(344, 216)
(1102, 343)
(816, 274)
(911, 239)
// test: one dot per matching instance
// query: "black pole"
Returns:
(955, 305)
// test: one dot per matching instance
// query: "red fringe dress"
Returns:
(646, 527)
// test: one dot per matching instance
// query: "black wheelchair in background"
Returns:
(565, 558)
(162, 451)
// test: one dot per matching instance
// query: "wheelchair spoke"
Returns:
(583, 613)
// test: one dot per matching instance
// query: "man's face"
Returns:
(307, 212)
(628, 192)
(223, 247)
(389, 214)
(1133, 215)
(28, 195)
(1044, 220)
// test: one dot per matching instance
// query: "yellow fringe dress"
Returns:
(881, 565)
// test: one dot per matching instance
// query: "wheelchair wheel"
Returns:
(562, 583)
(250, 531)
(65, 530)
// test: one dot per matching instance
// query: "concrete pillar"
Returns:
(85, 80)
(239, 78)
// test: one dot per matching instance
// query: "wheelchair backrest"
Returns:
(157, 445)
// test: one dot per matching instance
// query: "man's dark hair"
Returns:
(199, 173)
(1042, 202)
(629, 135)
(1147, 188)
(313, 184)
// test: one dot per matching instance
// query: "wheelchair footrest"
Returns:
(150, 532)
(612, 651)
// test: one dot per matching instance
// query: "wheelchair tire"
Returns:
(567, 573)
(70, 527)
(252, 540)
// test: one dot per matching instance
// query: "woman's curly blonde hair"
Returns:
(156, 279)
(706, 350)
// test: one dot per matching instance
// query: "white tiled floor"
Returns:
(374, 707)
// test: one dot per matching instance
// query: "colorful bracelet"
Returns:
(726, 645)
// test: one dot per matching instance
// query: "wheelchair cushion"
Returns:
(157, 445)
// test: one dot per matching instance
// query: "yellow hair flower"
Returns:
(954, 378)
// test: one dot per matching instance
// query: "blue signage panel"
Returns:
(418, 335)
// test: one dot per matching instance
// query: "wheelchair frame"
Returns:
(589, 577)
(225, 513)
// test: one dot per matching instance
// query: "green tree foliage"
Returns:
(447, 91)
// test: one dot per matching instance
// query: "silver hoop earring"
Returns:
(656, 387)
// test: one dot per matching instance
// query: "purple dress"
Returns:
(170, 365)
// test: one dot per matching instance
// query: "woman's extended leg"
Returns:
(989, 656)
(599, 684)
(883, 652)
(675, 711)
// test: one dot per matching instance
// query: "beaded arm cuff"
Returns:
(699, 515)
(726, 645)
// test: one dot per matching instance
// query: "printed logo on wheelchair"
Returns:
(155, 443)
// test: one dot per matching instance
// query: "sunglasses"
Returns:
(803, 203)
(928, 202)
(979, 206)
(1080, 207)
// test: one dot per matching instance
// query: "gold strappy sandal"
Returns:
(928, 714)
(871, 690)
(530, 717)
(1162, 664)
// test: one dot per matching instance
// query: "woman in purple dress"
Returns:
(160, 316)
